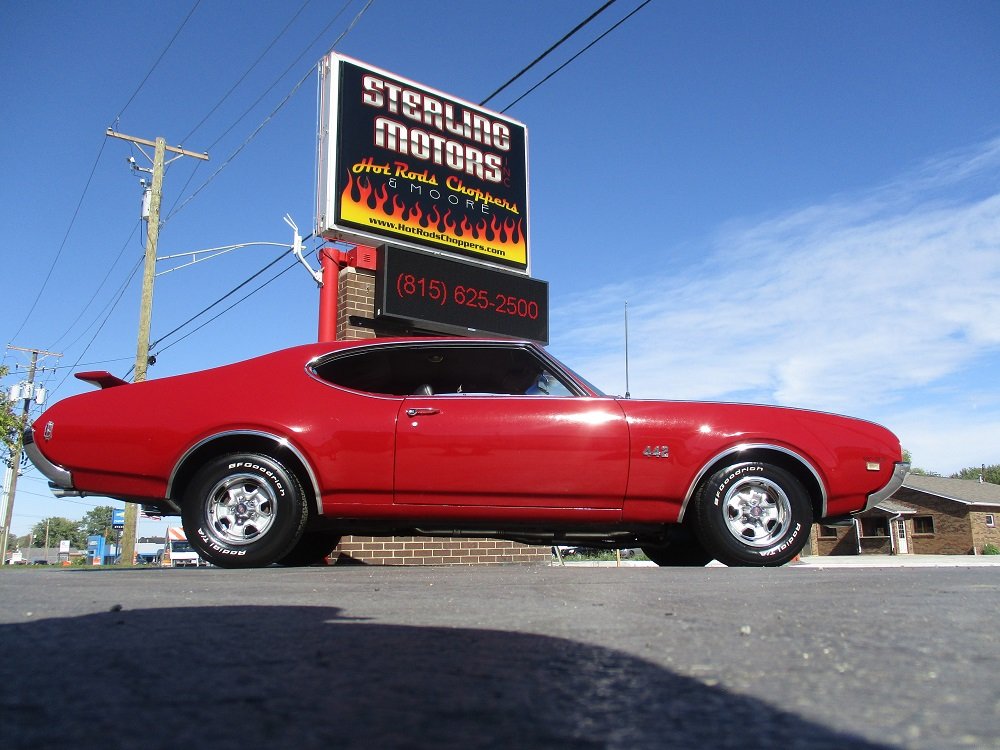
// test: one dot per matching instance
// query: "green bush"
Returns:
(991, 549)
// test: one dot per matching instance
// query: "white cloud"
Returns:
(858, 305)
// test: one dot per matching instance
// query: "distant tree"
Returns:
(990, 474)
(10, 423)
(58, 529)
(908, 457)
(12, 544)
(98, 522)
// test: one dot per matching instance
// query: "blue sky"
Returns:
(799, 201)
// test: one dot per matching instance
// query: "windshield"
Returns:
(181, 546)
(597, 391)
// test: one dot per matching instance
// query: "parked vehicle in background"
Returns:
(178, 552)
(273, 459)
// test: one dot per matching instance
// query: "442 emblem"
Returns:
(656, 451)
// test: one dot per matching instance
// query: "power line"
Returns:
(545, 54)
(90, 343)
(293, 91)
(248, 70)
(554, 72)
(158, 59)
(90, 177)
(91, 364)
(272, 263)
(62, 245)
(98, 290)
(225, 296)
(175, 209)
(242, 299)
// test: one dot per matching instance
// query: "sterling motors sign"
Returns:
(399, 161)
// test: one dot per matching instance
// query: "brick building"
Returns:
(926, 516)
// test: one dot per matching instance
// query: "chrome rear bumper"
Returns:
(60, 479)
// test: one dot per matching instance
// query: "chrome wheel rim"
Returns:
(757, 511)
(241, 508)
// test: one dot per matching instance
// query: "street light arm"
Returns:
(297, 251)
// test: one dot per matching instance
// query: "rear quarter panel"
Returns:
(127, 440)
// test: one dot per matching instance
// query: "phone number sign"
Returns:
(452, 296)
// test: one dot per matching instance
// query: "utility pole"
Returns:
(28, 394)
(126, 550)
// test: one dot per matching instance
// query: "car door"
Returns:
(513, 451)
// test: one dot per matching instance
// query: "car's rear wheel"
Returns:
(312, 548)
(677, 548)
(753, 513)
(244, 510)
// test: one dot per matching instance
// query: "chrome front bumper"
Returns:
(898, 475)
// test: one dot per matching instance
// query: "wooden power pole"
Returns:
(128, 540)
(11, 487)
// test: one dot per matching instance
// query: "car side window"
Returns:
(443, 369)
(547, 384)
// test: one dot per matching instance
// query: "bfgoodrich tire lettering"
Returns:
(244, 510)
(753, 514)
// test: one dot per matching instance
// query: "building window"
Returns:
(923, 524)
(827, 532)
(990, 521)
(874, 527)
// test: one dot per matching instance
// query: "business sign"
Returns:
(401, 162)
(118, 518)
(445, 294)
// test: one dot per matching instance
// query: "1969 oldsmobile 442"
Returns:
(273, 459)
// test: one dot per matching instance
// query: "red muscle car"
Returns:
(273, 459)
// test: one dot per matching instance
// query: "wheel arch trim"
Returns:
(279, 441)
(753, 447)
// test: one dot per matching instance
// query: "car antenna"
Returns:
(627, 394)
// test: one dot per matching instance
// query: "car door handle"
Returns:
(422, 411)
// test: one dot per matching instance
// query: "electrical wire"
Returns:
(557, 70)
(545, 54)
(96, 292)
(158, 59)
(176, 208)
(113, 305)
(242, 78)
(174, 211)
(225, 296)
(247, 71)
(295, 88)
(62, 245)
(90, 177)
(91, 364)
(242, 299)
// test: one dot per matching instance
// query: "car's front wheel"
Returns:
(244, 510)
(753, 513)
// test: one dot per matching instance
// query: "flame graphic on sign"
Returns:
(373, 207)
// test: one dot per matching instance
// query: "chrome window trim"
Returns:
(559, 369)
(753, 446)
(284, 442)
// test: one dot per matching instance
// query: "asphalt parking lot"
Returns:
(506, 656)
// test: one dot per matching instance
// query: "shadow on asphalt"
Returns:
(304, 677)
